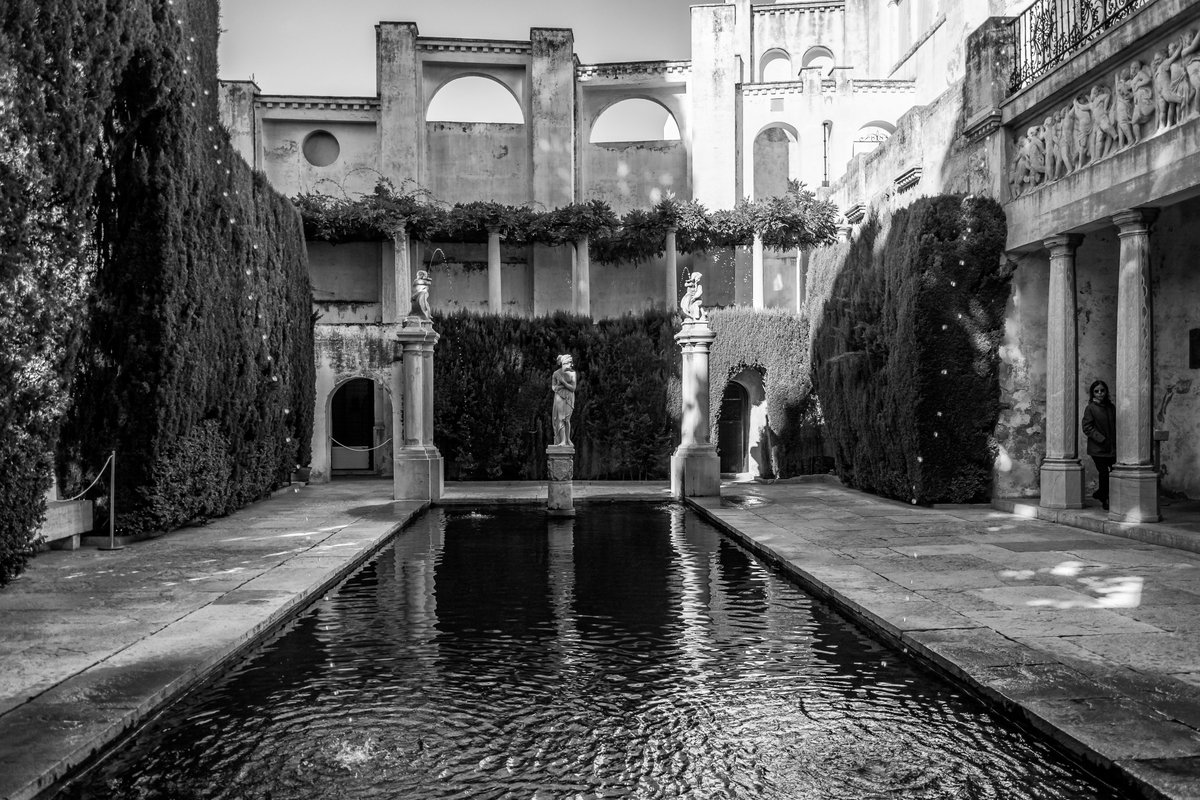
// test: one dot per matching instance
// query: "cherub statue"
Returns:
(689, 304)
(420, 296)
(1104, 131)
(1123, 107)
(1142, 81)
(1081, 108)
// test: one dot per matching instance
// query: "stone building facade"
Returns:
(872, 103)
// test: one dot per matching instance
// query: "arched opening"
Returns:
(352, 427)
(819, 57)
(872, 135)
(775, 66)
(474, 98)
(733, 428)
(634, 120)
(774, 149)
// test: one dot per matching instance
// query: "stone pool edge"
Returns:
(987, 683)
(68, 725)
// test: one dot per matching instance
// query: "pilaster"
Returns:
(401, 107)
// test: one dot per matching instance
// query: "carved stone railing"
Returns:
(1049, 31)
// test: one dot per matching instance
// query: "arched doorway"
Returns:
(352, 427)
(733, 428)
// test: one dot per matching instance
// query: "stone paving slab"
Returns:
(93, 642)
(1085, 636)
(1089, 637)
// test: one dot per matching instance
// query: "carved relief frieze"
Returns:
(1138, 101)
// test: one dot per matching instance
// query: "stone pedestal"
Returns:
(560, 469)
(1062, 483)
(695, 466)
(1062, 471)
(419, 470)
(1133, 483)
(1133, 493)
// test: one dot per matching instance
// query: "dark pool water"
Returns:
(632, 652)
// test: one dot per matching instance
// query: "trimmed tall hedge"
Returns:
(197, 358)
(905, 353)
(55, 83)
(492, 383)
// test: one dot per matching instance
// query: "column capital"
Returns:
(1134, 220)
(1062, 244)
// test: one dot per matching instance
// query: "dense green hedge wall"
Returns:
(196, 362)
(775, 343)
(905, 352)
(492, 383)
(54, 85)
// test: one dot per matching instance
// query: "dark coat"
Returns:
(1100, 427)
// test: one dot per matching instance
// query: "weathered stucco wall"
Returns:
(1096, 264)
(471, 161)
(355, 169)
(344, 352)
(795, 30)
(1021, 429)
(460, 278)
(345, 272)
(631, 175)
(1176, 282)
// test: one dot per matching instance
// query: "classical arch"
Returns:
(776, 158)
(358, 419)
(775, 66)
(741, 423)
(474, 97)
(871, 135)
(818, 56)
(634, 119)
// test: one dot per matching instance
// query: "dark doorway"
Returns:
(733, 427)
(352, 426)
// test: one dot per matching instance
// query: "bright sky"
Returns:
(327, 47)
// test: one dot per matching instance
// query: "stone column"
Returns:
(1062, 471)
(695, 466)
(418, 473)
(581, 288)
(1133, 486)
(757, 292)
(395, 279)
(495, 302)
(672, 259)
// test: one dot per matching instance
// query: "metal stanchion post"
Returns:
(112, 508)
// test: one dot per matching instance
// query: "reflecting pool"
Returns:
(631, 652)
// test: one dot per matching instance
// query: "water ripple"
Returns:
(630, 653)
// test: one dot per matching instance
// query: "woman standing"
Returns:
(1100, 428)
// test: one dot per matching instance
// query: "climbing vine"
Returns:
(795, 219)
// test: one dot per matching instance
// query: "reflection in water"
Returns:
(629, 652)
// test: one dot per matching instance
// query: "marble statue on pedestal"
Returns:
(563, 382)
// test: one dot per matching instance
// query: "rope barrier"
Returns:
(98, 477)
(359, 449)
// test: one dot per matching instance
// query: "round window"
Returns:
(321, 148)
